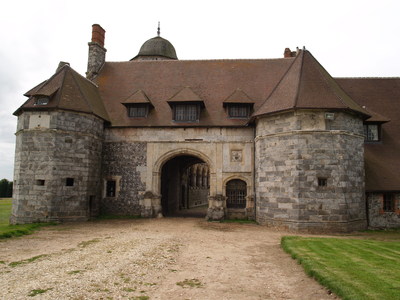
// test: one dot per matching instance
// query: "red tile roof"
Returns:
(307, 85)
(382, 159)
(211, 81)
(67, 90)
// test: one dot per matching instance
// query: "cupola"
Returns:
(156, 48)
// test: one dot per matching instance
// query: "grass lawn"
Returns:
(367, 268)
(7, 230)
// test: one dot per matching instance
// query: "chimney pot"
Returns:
(287, 53)
(98, 34)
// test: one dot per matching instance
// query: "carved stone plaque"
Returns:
(236, 155)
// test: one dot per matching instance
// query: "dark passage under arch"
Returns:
(184, 187)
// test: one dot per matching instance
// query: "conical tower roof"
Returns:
(307, 85)
(68, 90)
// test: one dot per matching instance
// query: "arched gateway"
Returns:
(182, 179)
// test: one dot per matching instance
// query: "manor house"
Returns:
(278, 140)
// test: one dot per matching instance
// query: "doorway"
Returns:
(185, 187)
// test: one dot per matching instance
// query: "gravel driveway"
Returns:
(171, 258)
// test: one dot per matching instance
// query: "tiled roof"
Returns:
(137, 97)
(67, 90)
(209, 81)
(238, 97)
(307, 85)
(382, 159)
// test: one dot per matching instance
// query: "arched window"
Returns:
(236, 192)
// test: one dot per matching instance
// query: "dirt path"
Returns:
(152, 259)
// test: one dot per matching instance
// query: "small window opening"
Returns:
(138, 110)
(40, 182)
(239, 111)
(69, 182)
(186, 112)
(388, 203)
(322, 181)
(372, 132)
(42, 101)
(110, 188)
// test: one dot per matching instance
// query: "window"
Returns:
(372, 132)
(39, 182)
(388, 203)
(186, 112)
(69, 182)
(236, 191)
(110, 188)
(238, 111)
(137, 110)
(322, 181)
(41, 100)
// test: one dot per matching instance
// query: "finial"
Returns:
(158, 29)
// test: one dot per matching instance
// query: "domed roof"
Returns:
(157, 46)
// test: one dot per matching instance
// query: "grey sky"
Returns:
(349, 38)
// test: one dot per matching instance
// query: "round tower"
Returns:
(309, 153)
(58, 150)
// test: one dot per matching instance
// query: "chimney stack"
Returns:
(97, 52)
(98, 34)
(289, 53)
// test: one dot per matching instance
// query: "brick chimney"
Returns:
(97, 52)
(289, 53)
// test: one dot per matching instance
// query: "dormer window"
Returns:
(186, 112)
(238, 105)
(138, 105)
(138, 110)
(239, 111)
(372, 132)
(42, 100)
(186, 106)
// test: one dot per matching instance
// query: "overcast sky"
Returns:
(350, 38)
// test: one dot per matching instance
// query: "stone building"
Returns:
(275, 140)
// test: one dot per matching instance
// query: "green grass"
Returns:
(7, 230)
(351, 268)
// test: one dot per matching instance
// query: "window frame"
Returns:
(322, 182)
(41, 100)
(69, 181)
(111, 192)
(238, 107)
(389, 198)
(196, 112)
(367, 131)
(137, 106)
(237, 189)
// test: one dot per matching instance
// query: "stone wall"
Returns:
(228, 153)
(294, 151)
(57, 167)
(198, 196)
(124, 161)
(378, 218)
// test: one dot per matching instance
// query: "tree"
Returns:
(4, 188)
(10, 189)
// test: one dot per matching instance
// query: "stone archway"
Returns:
(184, 189)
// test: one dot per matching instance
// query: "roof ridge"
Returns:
(199, 60)
(296, 98)
(337, 90)
(62, 84)
(81, 92)
(275, 88)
